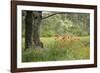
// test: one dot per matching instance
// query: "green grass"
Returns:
(55, 50)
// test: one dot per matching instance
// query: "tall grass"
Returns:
(55, 50)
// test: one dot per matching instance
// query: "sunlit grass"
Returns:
(55, 50)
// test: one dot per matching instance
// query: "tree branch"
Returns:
(51, 15)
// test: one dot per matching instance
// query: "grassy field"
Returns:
(55, 50)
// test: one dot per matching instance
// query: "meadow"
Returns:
(58, 50)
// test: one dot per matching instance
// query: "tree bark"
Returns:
(32, 29)
(37, 17)
(28, 29)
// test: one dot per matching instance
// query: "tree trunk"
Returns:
(32, 29)
(37, 17)
(28, 29)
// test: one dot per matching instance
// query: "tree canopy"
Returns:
(64, 24)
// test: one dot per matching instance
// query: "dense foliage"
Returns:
(65, 24)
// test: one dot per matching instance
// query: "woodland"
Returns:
(54, 36)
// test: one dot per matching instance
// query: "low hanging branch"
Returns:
(52, 15)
